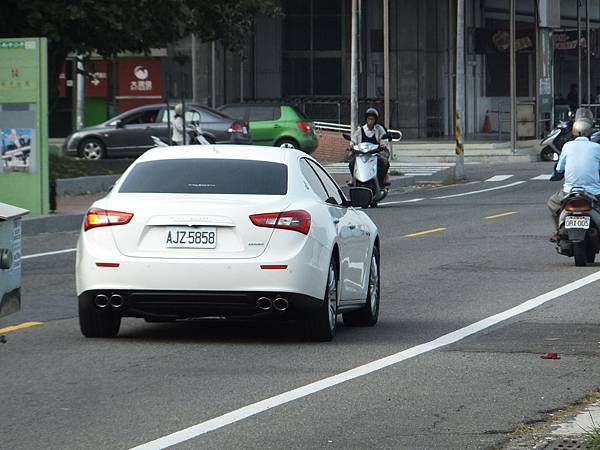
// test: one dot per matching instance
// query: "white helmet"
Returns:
(584, 122)
(178, 109)
(372, 112)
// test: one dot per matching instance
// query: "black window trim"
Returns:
(345, 202)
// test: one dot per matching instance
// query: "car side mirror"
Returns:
(118, 123)
(360, 197)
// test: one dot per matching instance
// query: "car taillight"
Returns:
(236, 127)
(297, 220)
(578, 205)
(304, 126)
(97, 217)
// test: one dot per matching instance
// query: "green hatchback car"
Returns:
(275, 124)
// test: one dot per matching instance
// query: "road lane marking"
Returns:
(496, 216)
(57, 252)
(499, 178)
(20, 326)
(516, 183)
(360, 371)
(542, 177)
(421, 233)
(412, 200)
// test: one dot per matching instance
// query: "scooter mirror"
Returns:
(346, 136)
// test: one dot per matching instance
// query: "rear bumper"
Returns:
(155, 304)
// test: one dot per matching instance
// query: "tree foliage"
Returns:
(109, 27)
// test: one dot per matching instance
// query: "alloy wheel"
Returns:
(92, 151)
(374, 285)
(332, 297)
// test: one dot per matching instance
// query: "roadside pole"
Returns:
(354, 69)
(79, 93)
(386, 63)
(459, 168)
(513, 80)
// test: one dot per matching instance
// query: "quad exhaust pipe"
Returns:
(280, 304)
(101, 301)
(115, 301)
(264, 303)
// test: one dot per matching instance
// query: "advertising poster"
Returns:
(16, 149)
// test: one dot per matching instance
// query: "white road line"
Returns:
(499, 178)
(304, 391)
(412, 200)
(542, 177)
(516, 183)
(57, 252)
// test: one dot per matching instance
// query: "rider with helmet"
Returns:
(579, 164)
(374, 133)
(178, 136)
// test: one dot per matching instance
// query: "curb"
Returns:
(85, 185)
(51, 223)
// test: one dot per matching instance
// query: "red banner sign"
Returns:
(139, 77)
(96, 80)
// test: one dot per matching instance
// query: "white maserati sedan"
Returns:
(231, 232)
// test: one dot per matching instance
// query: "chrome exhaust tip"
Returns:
(116, 301)
(264, 303)
(101, 301)
(280, 304)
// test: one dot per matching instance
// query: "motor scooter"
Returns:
(553, 143)
(366, 157)
(195, 137)
(579, 227)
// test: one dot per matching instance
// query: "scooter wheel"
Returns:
(547, 154)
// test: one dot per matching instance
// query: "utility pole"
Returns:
(579, 82)
(213, 74)
(513, 80)
(79, 93)
(194, 70)
(459, 168)
(589, 51)
(386, 62)
(354, 69)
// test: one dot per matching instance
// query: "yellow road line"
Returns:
(20, 326)
(495, 216)
(421, 233)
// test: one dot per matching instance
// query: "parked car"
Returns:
(230, 232)
(275, 124)
(128, 134)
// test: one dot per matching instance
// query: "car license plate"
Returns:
(577, 222)
(186, 237)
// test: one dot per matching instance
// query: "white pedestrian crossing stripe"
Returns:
(542, 177)
(410, 169)
(499, 178)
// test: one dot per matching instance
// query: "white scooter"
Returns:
(366, 159)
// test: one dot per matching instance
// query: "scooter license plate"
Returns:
(577, 222)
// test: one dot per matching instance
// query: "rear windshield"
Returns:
(207, 176)
(300, 113)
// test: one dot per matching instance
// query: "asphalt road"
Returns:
(489, 253)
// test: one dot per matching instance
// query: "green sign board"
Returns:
(24, 124)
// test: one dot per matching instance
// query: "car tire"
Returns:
(94, 322)
(368, 316)
(287, 143)
(92, 149)
(321, 327)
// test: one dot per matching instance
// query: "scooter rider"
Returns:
(178, 135)
(372, 132)
(579, 164)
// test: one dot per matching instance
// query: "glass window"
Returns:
(236, 112)
(333, 190)
(141, 117)
(207, 176)
(313, 180)
(328, 76)
(262, 113)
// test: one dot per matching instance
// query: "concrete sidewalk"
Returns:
(569, 428)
